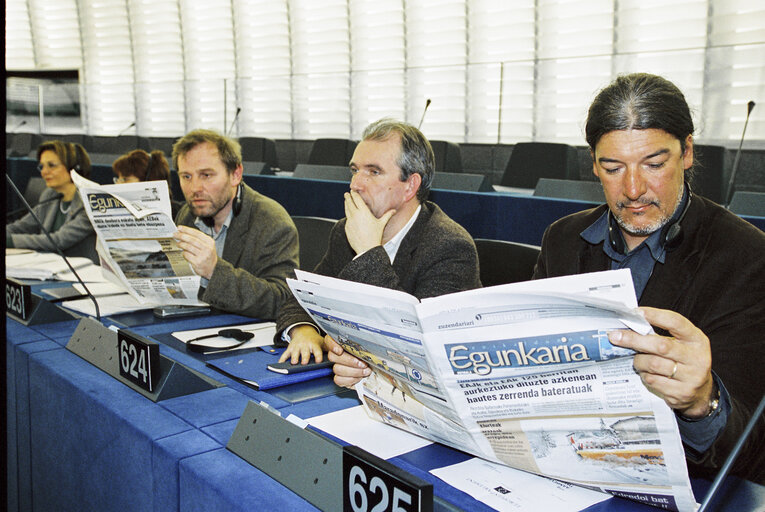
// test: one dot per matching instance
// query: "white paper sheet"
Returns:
(263, 331)
(504, 488)
(353, 426)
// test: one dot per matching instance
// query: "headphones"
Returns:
(236, 205)
(671, 233)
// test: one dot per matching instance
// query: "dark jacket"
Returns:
(716, 279)
(260, 252)
(437, 256)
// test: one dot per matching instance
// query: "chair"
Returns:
(22, 144)
(530, 161)
(116, 145)
(461, 181)
(748, 203)
(504, 262)
(448, 156)
(259, 149)
(75, 138)
(35, 187)
(163, 143)
(331, 152)
(313, 236)
(322, 172)
(710, 178)
(590, 191)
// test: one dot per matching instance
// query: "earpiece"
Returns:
(236, 206)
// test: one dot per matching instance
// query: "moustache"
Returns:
(641, 202)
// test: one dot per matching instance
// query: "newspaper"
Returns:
(521, 374)
(134, 228)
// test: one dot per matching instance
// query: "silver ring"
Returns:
(674, 371)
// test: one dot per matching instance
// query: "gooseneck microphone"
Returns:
(10, 215)
(422, 118)
(131, 125)
(54, 244)
(729, 192)
(236, 116)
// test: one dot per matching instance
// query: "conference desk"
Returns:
(79, 439)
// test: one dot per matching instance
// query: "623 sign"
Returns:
(18, 299)
(139, 360)
(371, 484)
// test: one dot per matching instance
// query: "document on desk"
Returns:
(263, 335)
(134, 228)
(49, 266)
(520, 374)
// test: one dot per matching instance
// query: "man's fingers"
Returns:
(677, 325)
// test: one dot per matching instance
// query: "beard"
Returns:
(653, 226)
(209, 210)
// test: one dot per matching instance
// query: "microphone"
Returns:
(236, 116)
(22, 123)
(131, 125)
(427, 104)
(729, 192)
(15, 212)
(54, 244)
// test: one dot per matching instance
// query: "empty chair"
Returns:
(331, 152)
(163, 143)
(710, 179)
(503, 262)
(322, 172)
(313, 236)
(530, 161)
(116, 145)
(591, 191)
(259, 149)
(748, 203)
(22, 144)
(75, 138)
(448, 156)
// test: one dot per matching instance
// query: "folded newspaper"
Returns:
(522, 374)
(134, 228)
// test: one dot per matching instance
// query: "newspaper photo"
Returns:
(134, 228)
(520, 374)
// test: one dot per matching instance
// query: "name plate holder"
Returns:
(28, 308)
(327, 475)
(100, 346)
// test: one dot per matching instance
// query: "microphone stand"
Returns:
(729, 192)
(54, 244)
(422, 118)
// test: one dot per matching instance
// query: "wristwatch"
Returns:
(714, 406)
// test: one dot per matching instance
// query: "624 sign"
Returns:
(371, 484)
(18, 299)
(139, 360)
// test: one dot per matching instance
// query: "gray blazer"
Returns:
(75, 237)
(260, 252)
(437, 256)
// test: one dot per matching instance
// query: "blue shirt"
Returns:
(699, 434)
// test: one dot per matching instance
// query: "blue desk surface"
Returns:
(80, 440)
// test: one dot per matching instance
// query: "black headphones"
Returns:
(236, 206)
(671, 233)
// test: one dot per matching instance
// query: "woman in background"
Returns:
(60, 208)
(138, 165)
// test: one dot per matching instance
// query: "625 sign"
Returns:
(18, 299)
(139, 360)
(371, 484)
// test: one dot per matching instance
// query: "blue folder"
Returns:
(251, 366)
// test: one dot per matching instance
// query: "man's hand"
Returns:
(363, 229)
(348, 369)
(677, 368)
(304, 341)
(198, 250)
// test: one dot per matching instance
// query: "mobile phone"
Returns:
(176, 311)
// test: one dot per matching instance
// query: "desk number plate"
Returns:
(373, 484)
(18, 299)
(139, 360)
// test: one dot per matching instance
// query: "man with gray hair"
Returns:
(243, 244)
(391, 236)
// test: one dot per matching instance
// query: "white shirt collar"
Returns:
(391, 246)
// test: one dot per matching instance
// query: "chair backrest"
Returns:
(591, 191)
(461, 181)
(503, 262)
(331, 152)
(116, 145)
(448, 156)
(35, 187)
(313, 236)
(711, 179)
(530, 161)
(748, 203)
(165, 144)
(22, 144)
(259, 149)
(322, 172)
